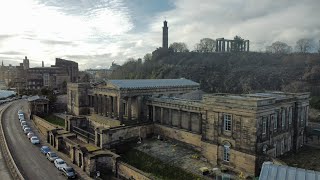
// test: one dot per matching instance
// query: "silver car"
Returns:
(26, 130)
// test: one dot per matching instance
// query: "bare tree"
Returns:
(304, 45)
(206, 45)
(179, 47)
(279, 48)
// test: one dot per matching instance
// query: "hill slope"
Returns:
(231, 72)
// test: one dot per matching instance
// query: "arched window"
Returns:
(226, 152)
(264, 149)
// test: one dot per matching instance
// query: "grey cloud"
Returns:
(11, 53)
(57, 42)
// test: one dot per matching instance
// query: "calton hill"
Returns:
(230, 72)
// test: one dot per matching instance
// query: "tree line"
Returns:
(304, 45)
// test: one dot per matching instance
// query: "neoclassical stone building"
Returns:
(235, 131)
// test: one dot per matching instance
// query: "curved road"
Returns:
(32, 164)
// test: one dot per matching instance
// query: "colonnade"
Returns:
(224, 45)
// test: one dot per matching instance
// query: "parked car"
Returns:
(35, 140)
(45, 149)
(60, 163)
(51, 156)
(25, 126)
(21, 116)
(20, 112)
(23, 123)
(26, 130)
(30, 134)
(69, 172)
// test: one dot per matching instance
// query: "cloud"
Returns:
(11, 53)
(96, 32)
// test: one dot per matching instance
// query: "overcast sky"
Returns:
(96, 32)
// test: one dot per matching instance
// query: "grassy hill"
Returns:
(231, 72)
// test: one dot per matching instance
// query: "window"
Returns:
(290, 115)
(275, 121)
(289, 143)
(264, 149)
(302, 114)
(227, 122)
(283, 118)
(226, 152)
(282, 147)
(275, 149)
(264, 125)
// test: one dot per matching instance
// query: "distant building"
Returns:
(24, 77)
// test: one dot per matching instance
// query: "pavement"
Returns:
(30, 161)
(4, 171)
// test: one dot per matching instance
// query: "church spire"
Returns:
(165, 35)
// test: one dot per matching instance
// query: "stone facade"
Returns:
(237, 132)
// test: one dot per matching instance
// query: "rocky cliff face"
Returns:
(232, 72)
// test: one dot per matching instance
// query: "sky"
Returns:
(95, 33)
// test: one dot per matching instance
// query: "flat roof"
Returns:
(152, 83)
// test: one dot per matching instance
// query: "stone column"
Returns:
(115, 108)
(189, 121)
(109, 106)
(217, 44)
(89, 97)
(96, 103)
(105, 105)
(245, 46)
(161, 115)
(129, 108)
(154, 113)
(121, 110)
(180, 114)
(248, 45)
(138, 99)
(170, 117)
(200, 123)
(223, 46)
(101, 105)
(228, 48)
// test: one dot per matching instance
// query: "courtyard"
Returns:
(167, 159)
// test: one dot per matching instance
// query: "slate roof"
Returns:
(34, 98)
(271, 171)
(152, 83)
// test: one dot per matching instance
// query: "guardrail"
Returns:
(15, 173)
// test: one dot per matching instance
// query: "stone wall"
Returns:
(178, 134)
(129, 172)
(113, 135)
(106, 122)
(43, 125)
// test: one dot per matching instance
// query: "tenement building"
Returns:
(237, 132)
(53, 77)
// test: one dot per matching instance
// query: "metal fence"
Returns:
(83, 133)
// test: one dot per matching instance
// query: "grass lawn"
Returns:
(54, 120)
(154, 166)
(307, 158)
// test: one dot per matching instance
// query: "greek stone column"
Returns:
(170, 117)
(189, 121)
(121, 109)
(154, 113)
(179, 119)
(106, 106)
(200, 123)
(217, 44)
(115, 108)
(161, 115)
(129, 108)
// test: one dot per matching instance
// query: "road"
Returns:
(32, 164)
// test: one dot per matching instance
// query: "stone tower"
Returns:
(25, 63)
(165, 35)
